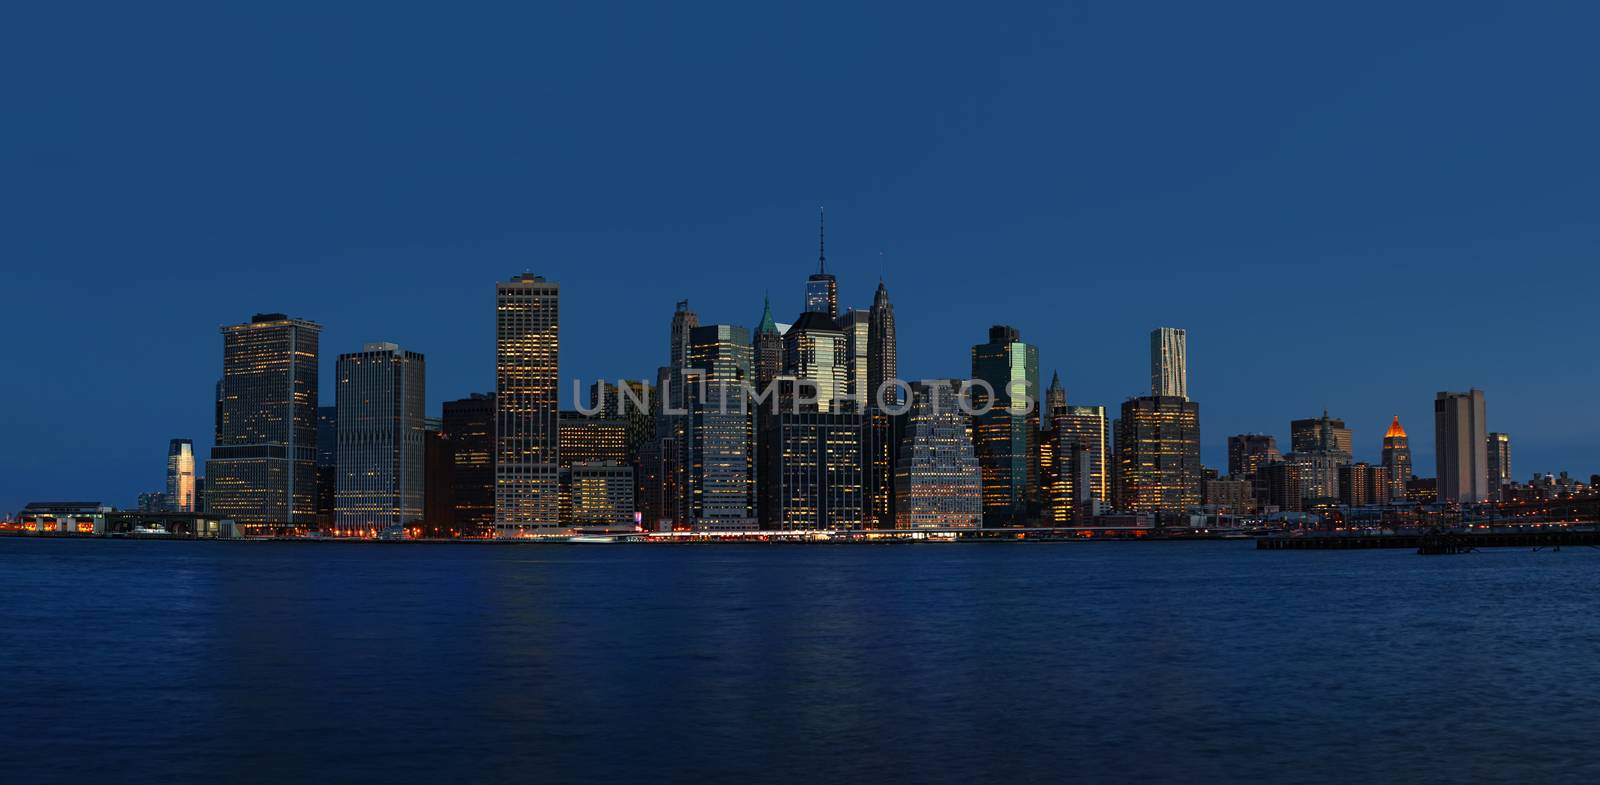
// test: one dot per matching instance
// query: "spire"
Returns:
(767, 325)
(1395, 430)
(822, 236)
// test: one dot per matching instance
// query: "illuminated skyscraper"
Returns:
(527, 351)
(327, 463)
(469, 423)
(1087, 427)
(601, 496)
(822, 291)
(1499, 454)
(768, 349)
(814, 478)
(721, 472)
(880, 429)
(937, 482)
(857, 328)
(1158, 454)
(815, 351)
(381, 394)
(1169, 362)
(589, 441)
(1007, 435)
(1397, 458)
(262, 471)
(1055, 402)
(1461, 447)
(883, 363)
(180, 475)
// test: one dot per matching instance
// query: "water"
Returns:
(1117, 662)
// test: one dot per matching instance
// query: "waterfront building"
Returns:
(1499, 455)
(262, 471)
(601, 496)
(1397, 458)
(1322, 435)
(327, 463)
(767, 348)
(1006, 435)
(527, 351)
(1461, 447)
(1422, 490)
(814, 479)
(180, 475)
(1169, 362)
(1087, 426)
(1158, 454)
(469, 422)
(1362, 484)
(1064, 479)
(154, 501)
(721, 470)
(815, 351)
(1234, 495)
(380, 393)
(937, 481)
(585, 439)
(856, 327)
(883, 364)
(822, 290)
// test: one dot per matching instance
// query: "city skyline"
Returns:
(1084, 177)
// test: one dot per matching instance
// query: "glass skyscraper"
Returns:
(1158, 454)
(721, 473)
(937, 482)
(381, 395)
(527, 351)
(1169, 362)
(180, 475)
(1007, 435)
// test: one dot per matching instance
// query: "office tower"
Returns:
(438, 481)
(262, 471)
(1280, 484)
(1055, 402)
(1158, 454)
(180, 475)
(200, 494)
(527, 347)
(1362, 484)
(883, 353)
(1247, 451)
(856, 327)
(601, 496)
(814, 479)
(721, 469)
(1064, 479)
(1322, 434)
(1169, 363)
(1461, 447)
(380, 394)
(154, 501)
(469, 422)
(815, 351)
(1086, 426)
(327, 463)
(1006, 436)
(1231, 495)
(768, 349)
(657, 486)
(822, 291)
(1499, 455)
(1397, 458)
(937, 482)
(683, 322)
(588, 440)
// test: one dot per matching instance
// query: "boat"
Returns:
(156, 530)
(592, 538)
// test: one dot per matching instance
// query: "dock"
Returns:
(1466, 539)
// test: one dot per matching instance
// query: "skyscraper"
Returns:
(879, 429)
(327, 463)
(1461, 447)
(768, 348)
(883, 363)
(937, 482)
(1086, 426)
(180, 475)
(1055, 402)
(1007, 434)
(1247, 451)
(1397, 458)
(1158, 454)
(381, 396)
(1322, 435)
(1499, 454)
(815, 351)
(857, 329)
(814, 479)
(527, 351)
(721, 437)
(469, 422)
(1169, 363)
(262, 471)
(822, 291)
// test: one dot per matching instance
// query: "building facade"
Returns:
(1006, 435)
(1158, 454)
(601, 496)
(1169, 362)
(814, 478)
(721, 476)
(262, 471)
(1499, 454)
(469, 422)
(527, 368)
(937, 482)
(1397, 458)
(1461, 447)
(1322, 435)
(180, 475)
(381, 394)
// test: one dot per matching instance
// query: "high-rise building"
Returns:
(768, 349)
(527, 352)
(1362, 484)
(262, 471)
(1499, 455)
(469, 422)
(721, 470)
(815, 352)
(1086, 426)
(1322, 434)
(1461, 447)
(822, 291)
(857, 327)
(601, 496)
(1064, 479)
(1169, 362)
(1158, 454)
(1247, 451)
(1397, 458)
(381, 394)
(814, 479)
(937, 482)
(1055, 402)
(180, 475)
(327, 463)
(1007, 434)
(883, 354)
(438, 481)
(584, 439)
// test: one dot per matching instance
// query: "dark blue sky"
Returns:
(1351, 207)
